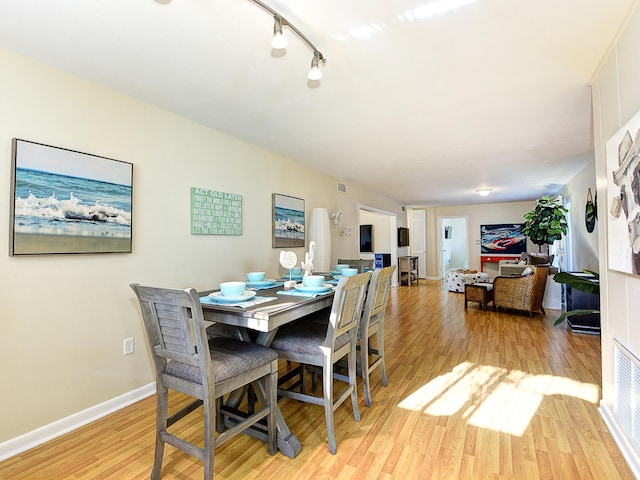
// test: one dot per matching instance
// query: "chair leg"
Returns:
(219, 417)
(209, 436)
(327, 392)
(364, 368)
(162, 409)
(381, 355)
(353, 381)
(272, 397)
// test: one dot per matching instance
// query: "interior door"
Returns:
(419, 240)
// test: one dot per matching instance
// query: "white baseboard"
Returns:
(628, 451)
(48, 432)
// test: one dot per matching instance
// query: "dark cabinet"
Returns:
(578, 300)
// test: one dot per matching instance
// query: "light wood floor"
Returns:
(472, 395)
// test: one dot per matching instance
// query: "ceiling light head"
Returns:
(315, 73)
(483, 192)
(279, 41)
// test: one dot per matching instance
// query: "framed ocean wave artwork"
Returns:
(288, 221)
(68, 202)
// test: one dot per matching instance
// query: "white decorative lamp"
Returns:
(320, 233)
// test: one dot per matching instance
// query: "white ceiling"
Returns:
(442, 97)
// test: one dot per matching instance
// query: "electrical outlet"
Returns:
(128, 346)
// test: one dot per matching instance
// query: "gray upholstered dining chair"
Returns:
(372, 323)
(206, 370)
(322, 344)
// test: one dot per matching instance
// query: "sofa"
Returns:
(518, 266)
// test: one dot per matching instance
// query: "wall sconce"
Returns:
(336, 217)
(279, 41)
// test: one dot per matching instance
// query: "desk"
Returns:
(487, 258)
(408, 270)
(266, 318)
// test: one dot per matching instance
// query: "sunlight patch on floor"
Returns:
(492, 397)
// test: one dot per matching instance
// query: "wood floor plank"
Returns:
(472, 394)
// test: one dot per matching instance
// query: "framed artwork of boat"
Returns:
(63, 201)
(288, 221)
(503, 239)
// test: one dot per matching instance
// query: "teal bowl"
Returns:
(232, 289)
(313, 281)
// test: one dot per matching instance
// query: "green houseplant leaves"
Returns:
(546, 223)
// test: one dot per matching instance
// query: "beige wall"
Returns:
(481, 214)
(584, 244)
(616, 98)
(64, 317)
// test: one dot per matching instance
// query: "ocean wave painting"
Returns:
(288, 221)
(69, 202)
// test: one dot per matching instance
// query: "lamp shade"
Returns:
(320, 233)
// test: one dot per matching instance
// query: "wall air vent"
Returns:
(342, 188)
(627, 392)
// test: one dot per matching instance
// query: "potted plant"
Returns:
(546, 223)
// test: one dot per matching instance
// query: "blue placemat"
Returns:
(247, 303)
(265, 287)
(298, 293)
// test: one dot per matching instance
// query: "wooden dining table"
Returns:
(265, 319)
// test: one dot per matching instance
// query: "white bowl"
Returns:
(313, 281)
(256, 276)
(232, 289)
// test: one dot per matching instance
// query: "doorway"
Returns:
(454, 246)
(385, 239)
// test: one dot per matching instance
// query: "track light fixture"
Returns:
(279, 41)
(315, 73)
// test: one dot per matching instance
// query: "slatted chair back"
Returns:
(372, 323)
(377, 296)
(176, 331)
(346, 309)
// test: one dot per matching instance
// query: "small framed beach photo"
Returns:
(288, 221)
(63, 201)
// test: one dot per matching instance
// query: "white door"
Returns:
(445, 251)
(419, 240)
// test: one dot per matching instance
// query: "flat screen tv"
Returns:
(366, 238)
(403, 237)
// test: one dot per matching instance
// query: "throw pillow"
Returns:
(527, 271)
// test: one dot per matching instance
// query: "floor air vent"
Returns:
(627, 392)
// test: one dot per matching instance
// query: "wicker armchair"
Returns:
(521, 292)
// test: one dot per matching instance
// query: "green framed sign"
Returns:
(215, 213)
